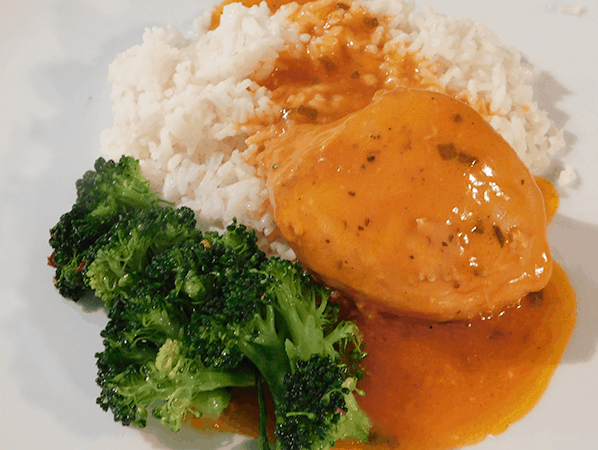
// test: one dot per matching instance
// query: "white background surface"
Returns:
(54, 102)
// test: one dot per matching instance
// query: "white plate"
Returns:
(54, 101)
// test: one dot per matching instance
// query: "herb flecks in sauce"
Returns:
(458, 178)
(338, 80)
(347, 59)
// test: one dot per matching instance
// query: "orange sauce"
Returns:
(445, 385)
(317, 77)
(429, 385)
(436, 386)
(345, 62)
(551, 198)
(432, 386)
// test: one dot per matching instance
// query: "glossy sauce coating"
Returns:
(454, 383)
(437, 386)
(430, 386)
(413, 204)
(344, 57)
(333, 74)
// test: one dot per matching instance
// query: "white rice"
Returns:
(177, 100)
(176, 103)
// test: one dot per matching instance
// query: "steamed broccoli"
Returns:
(277, 317)
(192, 315)
(149, 362)
(103, 195)
(318, 407)
(301, 350)
(146, 366)
(120, 256)
(223, 310)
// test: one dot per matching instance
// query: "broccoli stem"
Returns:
(263, 443)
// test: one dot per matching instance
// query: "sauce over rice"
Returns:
(428, 385)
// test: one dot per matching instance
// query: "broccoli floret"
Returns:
(120, 256)
(318, 406)
(207, 278)
(223, 315)
(151, 359)
(171, 385)
(146, 366)
(112, 188)
(276, 316)
(103, 195)
(192, 315)
(300, 350)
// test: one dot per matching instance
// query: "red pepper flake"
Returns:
(351, 193)
(340, 412)
(51, 262)
(355, 75)
(81, 266)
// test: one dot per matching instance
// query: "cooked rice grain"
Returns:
(178, 101)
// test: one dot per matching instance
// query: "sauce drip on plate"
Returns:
(433, 386)
(445, 385)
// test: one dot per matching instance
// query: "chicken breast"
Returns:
(413, 204)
